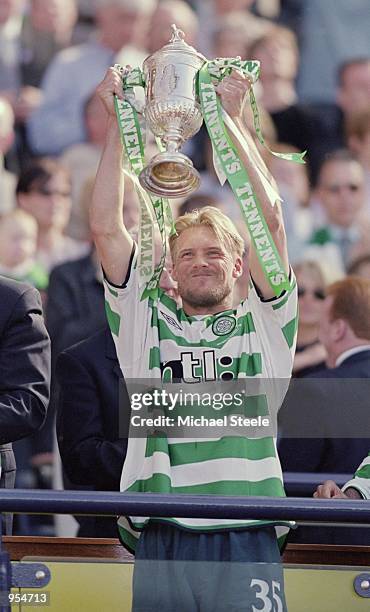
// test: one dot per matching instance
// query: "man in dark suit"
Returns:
(75, 307)
(325, 420)
(24, 372)
(74, 311)
(90, 394)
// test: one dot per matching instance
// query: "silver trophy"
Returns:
(173, 114)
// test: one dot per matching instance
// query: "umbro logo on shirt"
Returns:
(171, 320)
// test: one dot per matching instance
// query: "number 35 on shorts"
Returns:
(269, 596)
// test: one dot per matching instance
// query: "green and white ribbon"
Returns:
(133, 143)
(228, 158)
(221, 67)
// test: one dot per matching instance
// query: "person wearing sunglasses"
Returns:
(324, 421)
(44, 191)
(346, 234)
(310, 354)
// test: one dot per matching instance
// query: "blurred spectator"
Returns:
(358, 141)
(43, 30)
(167, 13)
(235, 32)
(344, 331)
(90, 417)
(341, 192)
(18, 246)
(10, 29)
(360, 267)
(353, 93)
(75, 307)
(290, 14)
(47, 28)
(79, 225)
(44, 191)
(211, 14)
(295, 124)
(310, 354)
(82, 161)
(7, 179)
(74, 73)
(329, 120)
(325, 417)
(277, 50)
(331, 32)
(86, 21)
(25, 372)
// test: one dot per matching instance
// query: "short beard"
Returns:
(213, 298)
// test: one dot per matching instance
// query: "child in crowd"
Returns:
(18, 245)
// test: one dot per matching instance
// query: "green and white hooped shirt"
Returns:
(256, 340)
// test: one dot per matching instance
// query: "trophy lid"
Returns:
(177, 44)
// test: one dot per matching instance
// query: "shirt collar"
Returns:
(350, 352)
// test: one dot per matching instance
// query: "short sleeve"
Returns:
(276, 322)
(127, 315)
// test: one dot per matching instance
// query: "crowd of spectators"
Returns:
(313, 93)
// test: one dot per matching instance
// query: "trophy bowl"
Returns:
(173, 114)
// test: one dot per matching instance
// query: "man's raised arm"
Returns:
(233, 90)
(112, 240)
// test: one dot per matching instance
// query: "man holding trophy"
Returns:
(182, 563)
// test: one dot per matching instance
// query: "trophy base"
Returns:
(170, 175)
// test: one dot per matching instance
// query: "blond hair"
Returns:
(313, 268)
(215, 220)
